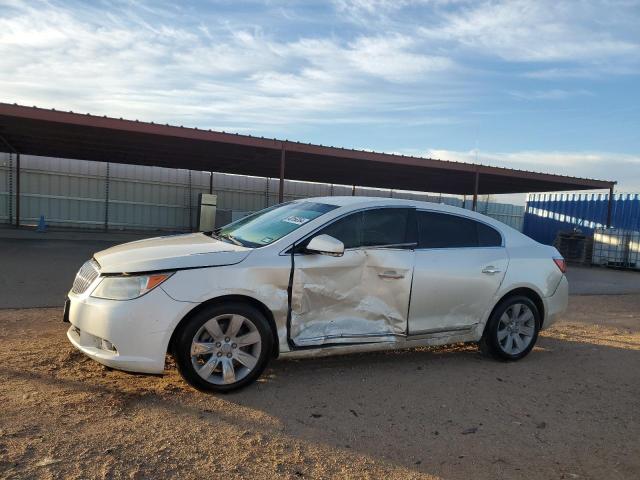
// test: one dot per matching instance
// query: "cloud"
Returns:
(139, 62)
(540, 31)
(553, 94)
(391, 70)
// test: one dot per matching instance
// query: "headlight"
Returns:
(128, 287)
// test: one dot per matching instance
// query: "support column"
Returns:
(17, 189)
(190, 203)
(10, 197)
(610, 207)
(106, 199)
(282, 162)
(475, 191)
(353, 191)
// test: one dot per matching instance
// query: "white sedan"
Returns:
(318, 276)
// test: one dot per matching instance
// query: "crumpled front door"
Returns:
(362, 296)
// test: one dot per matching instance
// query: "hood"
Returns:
(169, 253)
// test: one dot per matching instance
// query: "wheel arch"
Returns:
(530, 293)
(228, 299)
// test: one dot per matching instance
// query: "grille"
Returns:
(85, 276)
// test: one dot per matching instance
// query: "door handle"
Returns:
(391, 274)
(491, 270)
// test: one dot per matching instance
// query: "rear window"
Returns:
(441, 230)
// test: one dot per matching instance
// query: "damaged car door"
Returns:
(362, 295)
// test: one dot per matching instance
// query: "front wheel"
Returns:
(512, 330)
(224, 347)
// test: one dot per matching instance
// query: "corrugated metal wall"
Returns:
(73, 193)
(547, 214)
(6, 188)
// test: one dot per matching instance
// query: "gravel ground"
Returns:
(569, 410)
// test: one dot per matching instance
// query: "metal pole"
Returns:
(10, 189)
(17, 189)
(106, 200)
(475, 191)
(610, 207)
(211, 183)
(281, 190)
(266, 193)
(353, 191)
(190, 204)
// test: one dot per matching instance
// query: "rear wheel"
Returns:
(224, 347)
(512, 330)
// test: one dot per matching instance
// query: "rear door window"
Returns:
(441, 230)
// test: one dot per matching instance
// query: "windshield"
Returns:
(271, 224)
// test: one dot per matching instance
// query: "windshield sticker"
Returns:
(266, 240)
(295, 220)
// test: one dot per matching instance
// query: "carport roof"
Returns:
(52, 133)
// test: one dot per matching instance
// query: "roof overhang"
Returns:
(51, 133)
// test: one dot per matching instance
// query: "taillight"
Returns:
(562, 265)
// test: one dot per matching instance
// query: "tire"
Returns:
(512, 329)
(228, 357)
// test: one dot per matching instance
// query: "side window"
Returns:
(384, 226)
(488, 237)
(440, 230)
(347, 229)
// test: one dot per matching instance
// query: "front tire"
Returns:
(223, 347)
(512, 329)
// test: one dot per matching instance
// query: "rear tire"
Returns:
(512, 329)
(223, 347)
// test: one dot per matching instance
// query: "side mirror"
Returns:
(326, 245)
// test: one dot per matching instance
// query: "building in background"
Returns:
(98, 195)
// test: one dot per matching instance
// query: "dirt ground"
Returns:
(571, 409)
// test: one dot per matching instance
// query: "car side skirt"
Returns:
(430, 339)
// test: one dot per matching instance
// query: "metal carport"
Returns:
(52, 133)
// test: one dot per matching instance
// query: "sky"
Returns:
(543, 85)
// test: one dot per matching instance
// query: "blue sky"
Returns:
(539, 85)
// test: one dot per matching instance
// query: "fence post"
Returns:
(10, 198)
(17, 189)
(266, 193)
(282, 162)
(610, 207)
(190, 204)
(476, 184)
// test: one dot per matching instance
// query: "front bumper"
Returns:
(556, 304)
(130, 335)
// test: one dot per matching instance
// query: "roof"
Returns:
(513, 236)
(52, 133)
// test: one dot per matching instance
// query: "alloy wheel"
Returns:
(225, 349)
(516, 329)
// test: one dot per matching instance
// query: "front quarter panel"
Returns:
(264, 281)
